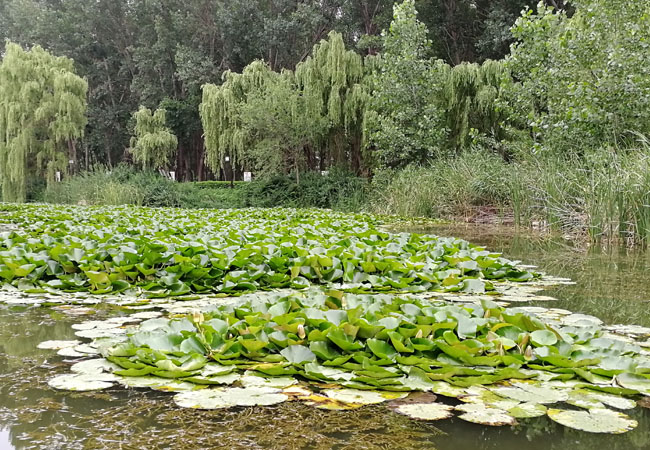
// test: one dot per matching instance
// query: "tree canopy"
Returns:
(42, 113)
(153, 144)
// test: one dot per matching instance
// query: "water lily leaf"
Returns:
(479, 394)
(57, 345)
(272, 382)
(447, 389)
(362, 397)
(298, 354)
(217, 398)
(531, 393)
(636, 382)
(426, 411)
(543, 338)
(381, 349)
(70, 352)
(527, 411)
(211, 369)
(344, 341)
(594, 420)
(228, 378)
(79, 382)
(484, 415)
(94, 366)
(158, 384)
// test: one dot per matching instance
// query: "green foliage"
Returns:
(452, 186)
(603, 195)
(154, 144)
(166, 252)
(396, 344)
(123, 185)
(583, 80)
(276, 122)
(405, 121)
(471, 91)
(42, 113)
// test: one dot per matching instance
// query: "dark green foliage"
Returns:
(339, 189)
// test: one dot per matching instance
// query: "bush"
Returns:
(124, 185)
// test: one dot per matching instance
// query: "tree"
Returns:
(471, 91)
(289, 121)
(42, 114)
(153, 144)
(405, 118)
(583, 80)
(331, 82)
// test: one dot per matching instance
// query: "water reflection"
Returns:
(611, 285)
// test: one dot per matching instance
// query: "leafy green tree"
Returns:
(405, 121)
(153, 145)
(42, 114)
(289, 121)
(471, 91)
(331, 82)
(583, 80)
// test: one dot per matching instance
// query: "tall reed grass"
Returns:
(604, 194)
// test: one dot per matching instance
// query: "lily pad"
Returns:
(527, 410)
(484, 415)
(271, 382)
(94, 366)
(57, 345)
(635, 382)
(362, 397)
(77, 382)
(228, 397)
(531, 393)
(594, 420)
(159, 384)
(426, 411)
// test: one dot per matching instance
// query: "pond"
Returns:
(611, 284)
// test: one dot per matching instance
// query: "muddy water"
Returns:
(611, 284)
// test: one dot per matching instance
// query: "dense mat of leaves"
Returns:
(385, 342)
(172, 252)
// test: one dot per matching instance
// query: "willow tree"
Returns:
(289, 121)
(226, 134)
(282, 129)
(42, 114)
(154, 144)
(471, 92)
(331, 83)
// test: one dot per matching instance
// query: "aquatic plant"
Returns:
(173, 252)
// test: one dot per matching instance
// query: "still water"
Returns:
(612, 284)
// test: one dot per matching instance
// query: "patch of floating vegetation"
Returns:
(378, 316)
(341, 351)
(158, 253)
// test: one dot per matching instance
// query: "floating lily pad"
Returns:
(531, 393)
(426, 411)
(70, 352)
(77, 382)
(362, 397)
(228, 397)
(527, 411)
(594, 420)
(57, 345)
(484, 415)
(85, 348)
(271, 382)
(158, 384)
(635, 382)
(94, 366)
